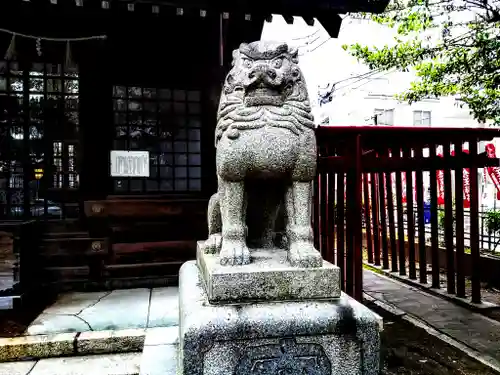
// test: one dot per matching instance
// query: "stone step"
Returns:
(71, 344)
(110, 364)
(159, 356)
(152, 351)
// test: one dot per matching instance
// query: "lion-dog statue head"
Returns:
(264, 86)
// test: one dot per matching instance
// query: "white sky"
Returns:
(327, 62)
(322, 58)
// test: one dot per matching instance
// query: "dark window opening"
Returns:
(167, 124)
(39, 127)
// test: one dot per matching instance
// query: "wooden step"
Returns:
(136, 208)
(188, 228)
(73, 246)
(81, 234)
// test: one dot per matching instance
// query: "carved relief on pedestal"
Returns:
(286, 358)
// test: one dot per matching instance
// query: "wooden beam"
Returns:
(391, 164)
(135, 208)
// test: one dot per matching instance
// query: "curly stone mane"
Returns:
(265, 87)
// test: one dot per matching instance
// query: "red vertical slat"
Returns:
(448, 223)
(422, 251)
(459, 226)
(368, 226)
(357, 226)
(383, 218)
(410, 224)
(401, 231)
(340, 227)
(390, 217)
(474, 225)
(323, 209)
(330, 253)
(434, 221)
(316, 211)
(351, 213)
(375, 219)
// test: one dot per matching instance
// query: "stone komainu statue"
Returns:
(265, 158)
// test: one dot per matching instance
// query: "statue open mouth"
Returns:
(264, 95)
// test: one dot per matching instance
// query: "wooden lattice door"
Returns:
(166, 123)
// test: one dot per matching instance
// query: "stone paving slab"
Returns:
(472, 329)
(17, 368)
(159, 356)
(115, 364)
(164, 307)
(116, 310)
(121, 309)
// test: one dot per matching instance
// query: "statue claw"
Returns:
(234, 253)
(213, 244)
(303, 254)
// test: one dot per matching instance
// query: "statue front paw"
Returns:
(234, 253)
(303, 254)
(213, 244)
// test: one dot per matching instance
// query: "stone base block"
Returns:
(268, 277)
(324, 337)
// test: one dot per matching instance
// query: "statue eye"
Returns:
(277, 63)
(247, 63)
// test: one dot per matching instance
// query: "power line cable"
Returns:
(327, 97)
(318, 46)
(379, 70)
(364, 83)
(361, 78)
(307, 36)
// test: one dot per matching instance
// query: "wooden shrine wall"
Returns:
(154, 75)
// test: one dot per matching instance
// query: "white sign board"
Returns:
(129, 163)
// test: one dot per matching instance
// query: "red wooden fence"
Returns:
(368, 158)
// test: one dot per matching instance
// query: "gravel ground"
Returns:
(410, 350)
(15, 323)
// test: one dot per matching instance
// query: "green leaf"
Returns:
(465, 62)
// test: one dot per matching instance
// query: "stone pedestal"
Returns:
(268, 278)
(314, 337)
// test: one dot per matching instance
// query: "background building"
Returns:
(345, 92)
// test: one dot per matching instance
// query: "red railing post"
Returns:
(354, 251)
(422, 251)
(401, 229)
(330, 253)
(368, 226)
(383, 218)
(448, 223)
(390, 217)
(340, 227)
(410, 224)
(434, 221)
(474, 225)
(459, 226)
(375, 219)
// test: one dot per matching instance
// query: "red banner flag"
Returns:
(403, 184)
(440, 184)
(466, 181)
(493, 172)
